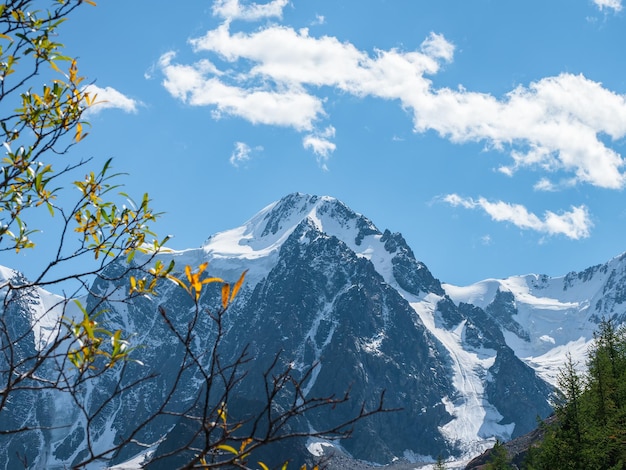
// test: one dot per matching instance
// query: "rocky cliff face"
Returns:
(325, 287)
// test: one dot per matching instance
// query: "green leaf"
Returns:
(106, 166)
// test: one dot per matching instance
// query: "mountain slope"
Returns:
(326, 287)
(545, 318)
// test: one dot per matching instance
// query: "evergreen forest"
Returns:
(590, 429)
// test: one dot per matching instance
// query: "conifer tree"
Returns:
(590, 430)
(498, 460)
(439, 465)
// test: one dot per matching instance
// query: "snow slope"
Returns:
(256, 244)
(559, 314)
(551, 317)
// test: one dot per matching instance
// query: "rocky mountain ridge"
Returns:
(466, 365)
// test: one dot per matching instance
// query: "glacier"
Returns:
(328, 287)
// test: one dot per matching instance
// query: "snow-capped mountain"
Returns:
(544, 318)
(464, 365)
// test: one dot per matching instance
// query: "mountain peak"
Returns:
(255, 245)
(327, 214)
(268, 229)
(293, 207)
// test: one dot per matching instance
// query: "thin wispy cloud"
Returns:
(614, 5)
(242, 154)
(110, 98)
(574, 224)
(320, 143)
(319, 19)
(235, 10)
(435, 45)
(544, 184)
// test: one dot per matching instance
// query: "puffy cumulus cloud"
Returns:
(234, 10)
(575, 224)
(199, 85)
(110, 98)
(553, 125)
(242, 154)
(273, 75)
(435, 45)
(285, 56)
(287, 65)
(615, 5)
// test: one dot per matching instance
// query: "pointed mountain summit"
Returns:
(257, 243)
(327, 214)
(327, 288)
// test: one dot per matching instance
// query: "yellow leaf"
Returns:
(225, 294)
(228, 448)
(221, 413)
(244, 444)
(175, 280)
(55, 66)
(237, 285)
(4, 36)
(202, 267)
(263, 466)
(196, 284)
(90, 2)
(188, 273)
(79, 132)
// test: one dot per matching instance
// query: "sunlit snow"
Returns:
(475, 419)
(557, 313)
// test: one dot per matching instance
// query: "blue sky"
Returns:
(490, 134)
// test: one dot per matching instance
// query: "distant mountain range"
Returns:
(466, 365)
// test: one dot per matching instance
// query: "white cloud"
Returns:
(288, 63)
(273, 75)
(319, 19)
(319, 142)
(575, 224)
(110, 98)
(615, 5)
(234, 10)
(197, 85)
(544, 184)
(435, 45)
(242, 154)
